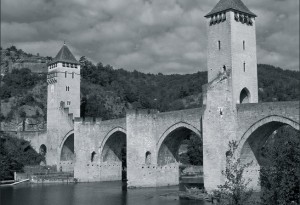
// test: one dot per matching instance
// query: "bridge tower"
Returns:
(232, 46)
(63, 100)
(232, 79)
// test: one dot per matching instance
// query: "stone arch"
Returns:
(254, 139)
(65, 138)
(169, 143)
(175, 126)
(148, 158)
(110, 133)
(245, 96)
(113, 155)
(277, 122)
(67, 152)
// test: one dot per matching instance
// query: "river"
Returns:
(102, 193)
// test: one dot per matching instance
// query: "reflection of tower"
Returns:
(63, 85)
(232, 48)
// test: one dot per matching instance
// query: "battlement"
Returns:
(142, 111)
(89, 120)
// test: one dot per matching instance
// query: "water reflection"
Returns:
(106, 193)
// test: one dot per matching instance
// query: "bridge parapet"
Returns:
(250, 113)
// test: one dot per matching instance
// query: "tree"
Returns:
(280, 177)
(195, 150)
(235, 190)
(15, 154)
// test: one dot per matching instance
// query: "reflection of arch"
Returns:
(43, 150)
(169, 143)
(245, 96)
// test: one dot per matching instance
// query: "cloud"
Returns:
(168, 36)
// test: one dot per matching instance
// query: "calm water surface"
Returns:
(104, 193)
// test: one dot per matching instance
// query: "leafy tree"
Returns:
(235, 190)
(195, 150)
(280, 177)
(15, 154)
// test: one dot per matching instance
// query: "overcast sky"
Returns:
(167, 36)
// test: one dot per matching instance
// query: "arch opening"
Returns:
(114, 156)
(148, 158)
(244, 96)
(181, 151)
(43, 150)
(67, 151)
(259, 146)
(175, 145)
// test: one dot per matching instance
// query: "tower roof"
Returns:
(225, 5)
(65, 55)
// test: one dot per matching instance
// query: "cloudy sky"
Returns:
(167, 36)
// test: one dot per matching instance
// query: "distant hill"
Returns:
(108, 92)
(13, 58)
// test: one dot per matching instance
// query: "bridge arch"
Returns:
(108, 135)
(169, 143)
(253, 141)
(65, 138)
(112, 152)
(273, 122)
(174, 127)
(67, 152)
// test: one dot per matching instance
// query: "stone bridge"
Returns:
(145, 144)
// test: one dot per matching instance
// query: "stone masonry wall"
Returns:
(89, 137)
(146, 130)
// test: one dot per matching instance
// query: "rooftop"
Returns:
(226, 5)
(65, 55)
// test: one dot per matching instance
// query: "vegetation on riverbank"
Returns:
(280, 177)
(14, 155)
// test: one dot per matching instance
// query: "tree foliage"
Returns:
(235, 190)
(195, 150)
(15, 154)
(280, 177)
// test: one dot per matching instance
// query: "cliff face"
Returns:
(13, 58)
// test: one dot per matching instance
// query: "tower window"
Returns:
(68, 102)
(65, 74)
(72, 74)
(244, 45)
(219, 45)
(67, 88)
(244, 67)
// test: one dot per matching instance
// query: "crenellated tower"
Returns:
(232, 79)
(232, 46)
(63, 84)
(63, 103)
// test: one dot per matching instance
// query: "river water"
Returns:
(102, 193)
